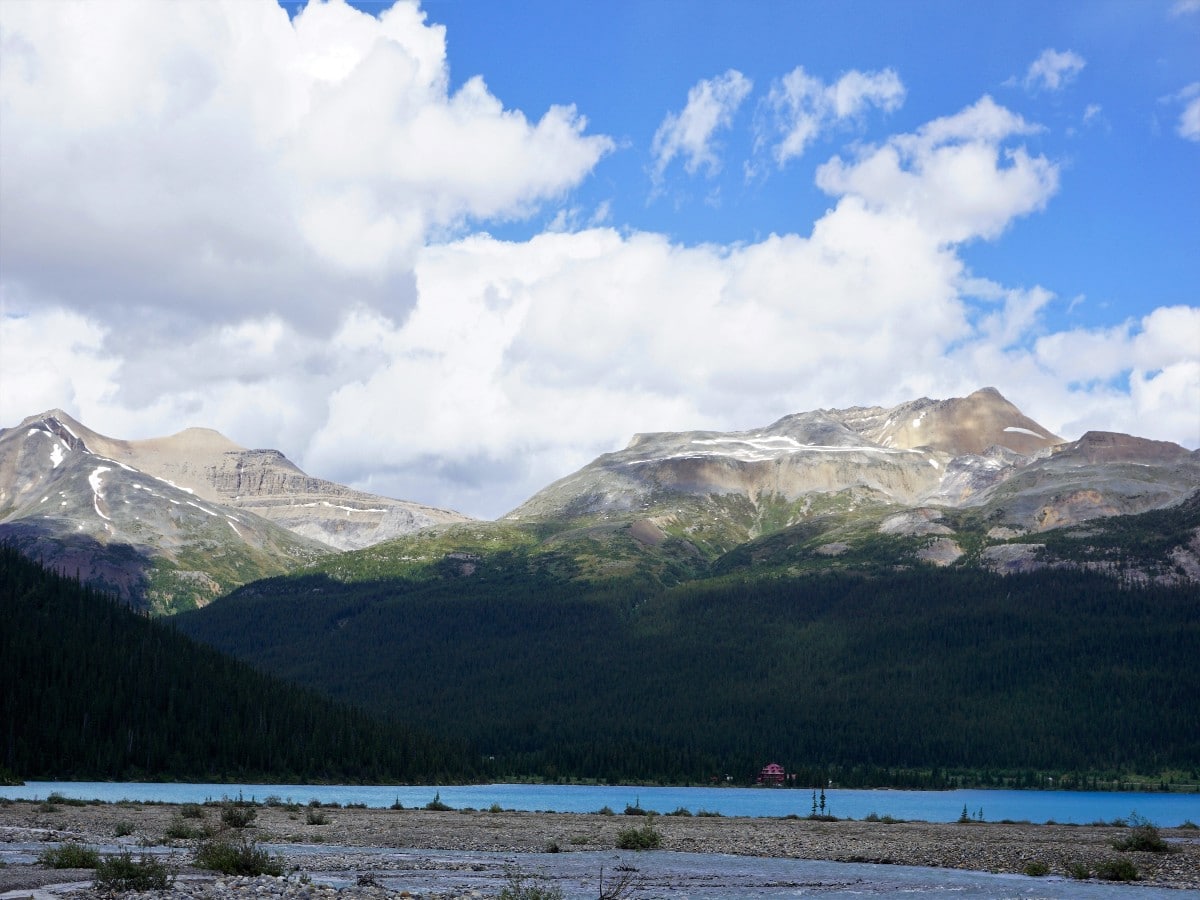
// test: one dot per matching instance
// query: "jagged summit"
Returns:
(210, 467)
(957, 426)
(922, 453)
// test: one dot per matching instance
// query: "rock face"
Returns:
(79, 510)
(213, 468)
(897, 472)
(173, 522)
(925, 451)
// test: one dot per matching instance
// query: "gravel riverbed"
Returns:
(345, 850)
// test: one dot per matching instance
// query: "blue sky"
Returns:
(452, 251)
(1121, 232)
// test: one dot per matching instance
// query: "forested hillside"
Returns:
(860, 675)
(92, 690)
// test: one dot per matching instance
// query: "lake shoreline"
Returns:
(312, 833)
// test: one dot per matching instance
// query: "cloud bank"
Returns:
(274, 228)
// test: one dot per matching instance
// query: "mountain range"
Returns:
(871, 594)
(171, 523)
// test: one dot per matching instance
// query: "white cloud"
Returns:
(711, 104)
(216, 160)
(1053, 70)
(1185, 7)
(953, 175)
(1189, 119)
(800, 106)
(214, 216)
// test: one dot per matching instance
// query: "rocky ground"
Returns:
(342, 844)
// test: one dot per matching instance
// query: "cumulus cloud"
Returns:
(690, 133)
(800, 106)
(269, 227)
(954, 175)
(217, 160)
(1053, 70)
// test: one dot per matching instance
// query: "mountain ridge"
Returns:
(963, 482)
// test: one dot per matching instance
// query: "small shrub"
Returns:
(191, 811)
(397, 804)
(123, 828)
(681, 811)
(1189, 825)
(69, 856)
(647, 837)
(605, 811)
(122, 873)
(495, 808)
(706, 814)
(580, 839)
(1119, 869)
(243, 858)
(635, 810)
(316, 817)
(1143, 837)
(238, 816)
(179, 830)
(58, 798)
(1079, 871)
(437, 805)
(552, 847)
(523, 886)
(1037, 869)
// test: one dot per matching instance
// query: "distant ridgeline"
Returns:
(92, 690)
(873, 678)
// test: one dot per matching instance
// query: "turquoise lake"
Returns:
(1077, 807)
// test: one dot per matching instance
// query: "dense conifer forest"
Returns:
(92, 690)
(876, 679)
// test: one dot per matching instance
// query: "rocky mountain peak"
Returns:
(958, 426)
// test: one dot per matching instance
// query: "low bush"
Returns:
(1079, 871)
(647, 837)
(123, 873)
(238, 816)
(437, 805)
(69, 856)
(1119, 869)
(316, 817)
(1145, 838)
(1037, 869)
(523, 886)
(705, 813)
(191, 811)
(58, 798)
(123, 828)
(681, 811)
(242, 858)
(605, 811)
(179, 830)
(635, 810)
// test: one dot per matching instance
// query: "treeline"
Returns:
(91, 690)
(884, 680)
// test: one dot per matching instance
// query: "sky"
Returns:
(451, 252)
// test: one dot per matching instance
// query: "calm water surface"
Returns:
(1076, 807)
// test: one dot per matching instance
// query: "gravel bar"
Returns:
(987, 847)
